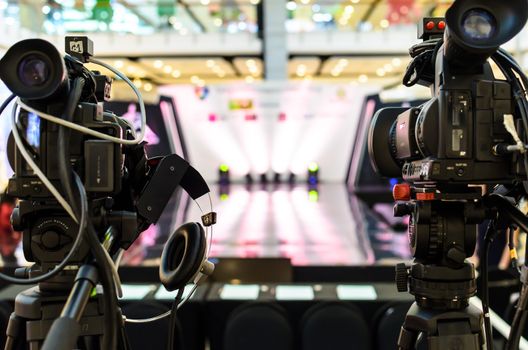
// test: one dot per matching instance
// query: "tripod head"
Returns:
(442, 234)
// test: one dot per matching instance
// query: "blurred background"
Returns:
(271, 101)
(255, 94)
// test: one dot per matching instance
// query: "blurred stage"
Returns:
(312, 227)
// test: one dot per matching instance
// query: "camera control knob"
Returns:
(16, 220)
(402, 209)
(402, 278)
(456, 255)
(50, 239)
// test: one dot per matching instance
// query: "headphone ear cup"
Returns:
(182, 256)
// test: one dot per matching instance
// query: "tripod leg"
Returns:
(407, 339)
(15, 332)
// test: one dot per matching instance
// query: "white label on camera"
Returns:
(76, 46)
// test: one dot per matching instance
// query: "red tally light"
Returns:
(250, 117)
(441, 25)
(430, 25)
(213, 118)
(401, 192)
(282, 117)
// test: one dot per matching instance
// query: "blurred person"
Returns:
(9, 238)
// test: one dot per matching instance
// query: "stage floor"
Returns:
(323, 227)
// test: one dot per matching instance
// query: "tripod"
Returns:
(80, 316)
(443, 232)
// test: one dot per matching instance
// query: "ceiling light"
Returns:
(322, 17)
(131, 69)
(250, 62)
(349, 9)
(195, 79)
(138, 83)
(388, 67)
(363, 78)
(119, 64)
(396, 62)
(205, 2)
(301, 70)
(210, 63)
(384, 24)
(218, 22)
(147, 87)
(380, 72)
(250, 79)
(254, 2)
(335, 73)
(158, 64)
(291, 5)
(355, 1)
(176, 74)
(305, 2)
(167, 69)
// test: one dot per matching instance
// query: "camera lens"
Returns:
(478, 24)
(33, 71)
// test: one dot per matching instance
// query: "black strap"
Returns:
(194, 184)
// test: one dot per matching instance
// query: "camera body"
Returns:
(453, 139)
(449, 139)
(100, 161)
(48, 231)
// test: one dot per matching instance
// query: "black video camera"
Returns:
(459, 136)
(114, 175)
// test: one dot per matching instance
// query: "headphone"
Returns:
(185, 255)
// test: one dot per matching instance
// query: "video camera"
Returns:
(115, 175)
(472, 132)
(459, 136)
(86, 190)
(46, 82)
